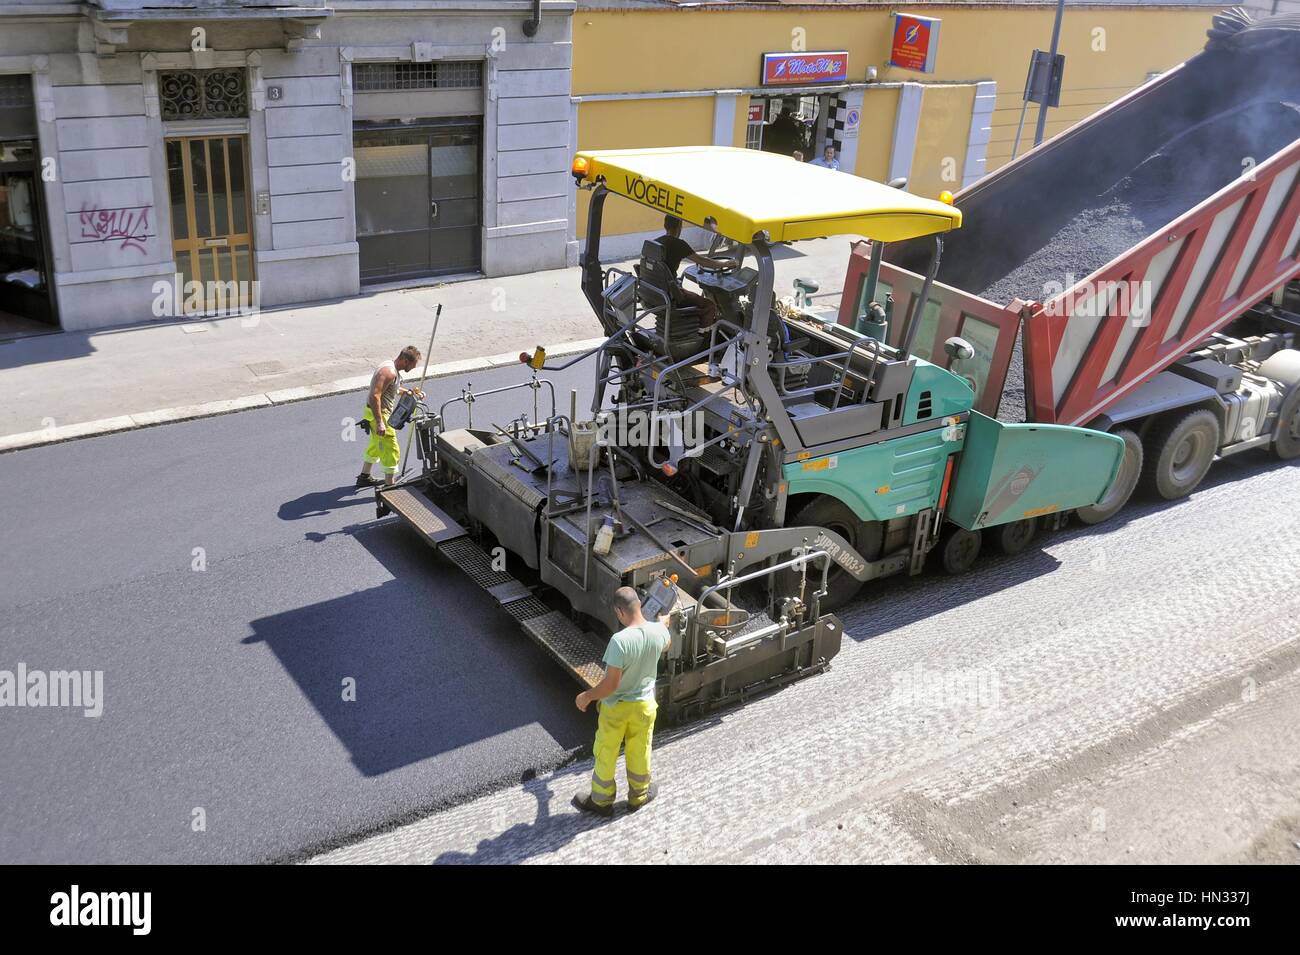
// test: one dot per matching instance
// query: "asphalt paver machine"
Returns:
(747, 475)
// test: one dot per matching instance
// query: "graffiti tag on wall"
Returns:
(128, 226)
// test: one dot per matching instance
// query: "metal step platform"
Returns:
(432, 523)
(577, 651)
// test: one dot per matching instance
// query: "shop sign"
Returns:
(804, 69)
(916, 42)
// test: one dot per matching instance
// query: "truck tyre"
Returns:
(866, 537)
(1127, 479)
(1287, 443)
(958, 549)
(1179, 451)
(1014, 537)
(1283, 367)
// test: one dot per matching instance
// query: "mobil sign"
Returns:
(916, 42)
(803, 69)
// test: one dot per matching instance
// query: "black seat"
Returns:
(658, 290)
(653, 271)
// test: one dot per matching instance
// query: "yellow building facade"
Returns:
(660, 73)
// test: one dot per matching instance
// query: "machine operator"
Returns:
(675, 250)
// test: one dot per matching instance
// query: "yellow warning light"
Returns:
(536, 360)
(580, 167)
(945, 197)
(673, 578)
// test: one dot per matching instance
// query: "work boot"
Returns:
(584, 802)
(368, 480)
(649, 796)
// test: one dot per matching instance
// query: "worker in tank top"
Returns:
(385, 387)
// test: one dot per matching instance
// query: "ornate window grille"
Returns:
(203, 94)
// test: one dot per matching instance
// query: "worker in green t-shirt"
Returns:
(627, 707)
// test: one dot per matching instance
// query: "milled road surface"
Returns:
(1127, 693)
(224, 668)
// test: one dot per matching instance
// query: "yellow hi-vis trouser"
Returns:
(630, 724)
(383, 449)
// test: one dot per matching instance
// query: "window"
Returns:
(15, 90)
(203, 94)
(400, 77)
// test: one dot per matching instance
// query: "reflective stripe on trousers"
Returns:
(628, 724)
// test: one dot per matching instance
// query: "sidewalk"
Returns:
(74, 384)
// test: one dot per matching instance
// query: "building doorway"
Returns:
(26, 299)
(765, 131)
(212, 239)
(418, 197)
(27, 303)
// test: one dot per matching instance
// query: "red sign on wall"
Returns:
(755, 112)
(804, 69)
(916, 42)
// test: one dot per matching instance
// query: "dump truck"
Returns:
(1135, 275)
(746, 467)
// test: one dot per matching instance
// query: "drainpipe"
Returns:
(532, 26)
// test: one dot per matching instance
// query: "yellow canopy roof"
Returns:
(747, 191)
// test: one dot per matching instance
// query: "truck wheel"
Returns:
(865, 537)
(1014, 537)
(1130, 470)
(1287, 443)
(958, 550)
(1179, 452)
(1283, 368)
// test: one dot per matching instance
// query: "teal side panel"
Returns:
(943, 392)
(881, 481)
(1012, 471)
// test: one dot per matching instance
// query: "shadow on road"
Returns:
(320, 503)
(422, 665)
(896, 602)
(545, 833)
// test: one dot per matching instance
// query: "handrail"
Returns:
(727, 583)
(656, 392)
(848, 361)
(468, 397)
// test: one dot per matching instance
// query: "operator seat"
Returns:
(677, 327)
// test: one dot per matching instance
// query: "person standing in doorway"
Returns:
(385, 387)
(827, 160)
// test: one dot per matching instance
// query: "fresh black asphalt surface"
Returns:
(224, 673)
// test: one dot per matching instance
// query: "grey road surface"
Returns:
(1125, 693)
